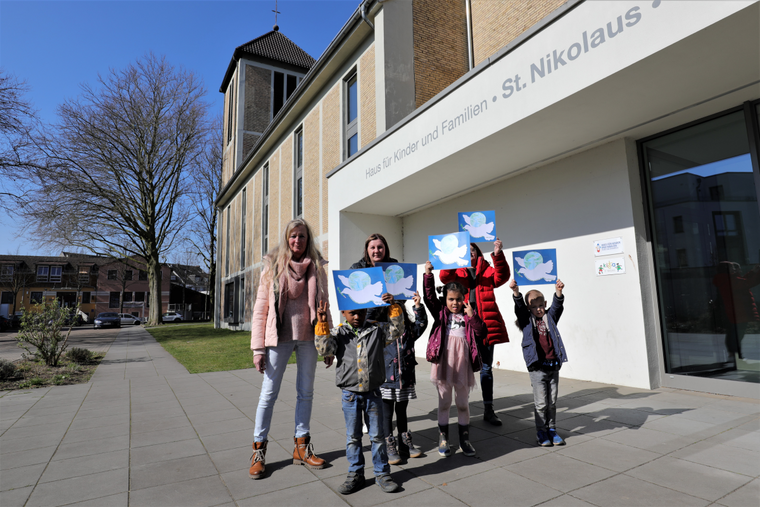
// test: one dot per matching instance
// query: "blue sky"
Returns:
(55, 46)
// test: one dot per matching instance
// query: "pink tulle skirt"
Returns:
(455, 367)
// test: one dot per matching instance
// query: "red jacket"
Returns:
(487, 278)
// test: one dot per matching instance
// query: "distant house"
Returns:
(190, 292)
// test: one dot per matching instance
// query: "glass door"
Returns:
(706, 238)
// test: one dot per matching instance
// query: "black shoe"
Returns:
(386, 483)
(354, 482)
(443, 441)
(464, 440)
(490, 416)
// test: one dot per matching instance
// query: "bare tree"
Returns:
(207, 182)
(15, 278)
(18, 153)
(113, 181)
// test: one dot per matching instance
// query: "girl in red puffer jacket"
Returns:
(480, 280)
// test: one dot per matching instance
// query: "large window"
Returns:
(265, 212)
(112, 274)
(230, 109)
(35, 298)
(242, 231)
(351, 109)
(227, 244)
(298, 173)
(6, 272)
(114, 298)
(705, 223)
(55, 273)
(42, 273)
(229, 300)
(6, 298)
(283, 86)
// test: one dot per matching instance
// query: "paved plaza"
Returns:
(144, 432)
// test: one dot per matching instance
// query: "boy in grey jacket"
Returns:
(360, 371)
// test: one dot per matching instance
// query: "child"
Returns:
(398, 388)
(544, 354)
(453, 350)
(358, 346)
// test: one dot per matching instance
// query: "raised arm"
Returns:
(521, 310)
(428, 290)
(501, 272)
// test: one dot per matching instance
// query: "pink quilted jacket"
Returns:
(264, 321)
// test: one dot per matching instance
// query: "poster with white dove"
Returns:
(359, 288)
(535, 267)
(400, 278)
(480, 224)
(449, 251)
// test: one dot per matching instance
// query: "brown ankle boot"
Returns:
(257, 460)
(303, 454)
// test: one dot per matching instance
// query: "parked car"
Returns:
(127, 319)
(5, 323)
(107, 319)
(172, 317)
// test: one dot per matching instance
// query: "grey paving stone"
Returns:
(92, 447)
(78, 489)
(211, 416)
(278, 476)
(162, 436)
(8, 443)
(29, 420)
(740, 438)
(15, 497)
(26, 457)
(84, 422)
(479, 491)
(678, 425)
(118, 500)
(430, 497)
(566, 501)
(204, 491)
(590, 425)
(163, 452)
(650, 440)
(85, 465)
(745, 496)
(228, 426)
(21, 477)
(560, 472)
(687, 477)
(607, 454)
(625, 491)
(733, 459)
(161, 423)
(167, 472)
(98, 432)
(226, 441)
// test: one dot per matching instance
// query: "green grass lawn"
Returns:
(201, 348)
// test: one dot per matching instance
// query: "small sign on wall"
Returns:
(608, 246)
(613, 266)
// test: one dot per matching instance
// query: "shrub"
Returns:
(40, 335)
(7, 369)
(79, 356)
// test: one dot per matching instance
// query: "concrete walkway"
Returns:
(145, 432)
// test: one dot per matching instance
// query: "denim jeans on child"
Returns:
(545, 384)
(276, 363)
(371, 405)
(486, 373)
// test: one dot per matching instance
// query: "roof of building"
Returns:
(187, 274)
(272, 45)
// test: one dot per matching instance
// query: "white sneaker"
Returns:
(365, 430)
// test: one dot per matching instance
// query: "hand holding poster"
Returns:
(449, 251)
(480, 224)
(359, 288)
(400, 278)
(535, 267)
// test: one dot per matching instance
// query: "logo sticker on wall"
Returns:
(614, 266)
(535, 267)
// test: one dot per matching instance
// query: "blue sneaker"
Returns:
(543, 439)
(556, 439)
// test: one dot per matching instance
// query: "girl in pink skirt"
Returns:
(452, 348)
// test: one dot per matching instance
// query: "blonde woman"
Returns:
(293, 282)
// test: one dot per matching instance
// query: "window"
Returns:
(278, 93)
(227, 247)
(112, 274)
(35, 298)
(241, 300)
(42, 273)
(265, 214)
(86, 297)
(292, 82)
(142, 275)
(127, 297)
(6, 272)
(139, 297)
(682, 258)
(229, 296)
(352, 116)
(678, 224)
(84, 275)
(230, 109)
(298, 177)
(55, 273)
(6, 298)
(242, 231)
(114, 299)
(128, 274)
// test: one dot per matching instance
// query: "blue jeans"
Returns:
(545, 386)
(370, 405)
(486, 374)
(277, 360)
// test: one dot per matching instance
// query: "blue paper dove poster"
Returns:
(449, 251)
(535, 267)
(359, 288)
(480, 224)
(400, 278)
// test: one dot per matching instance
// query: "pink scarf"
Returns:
(300, 275)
